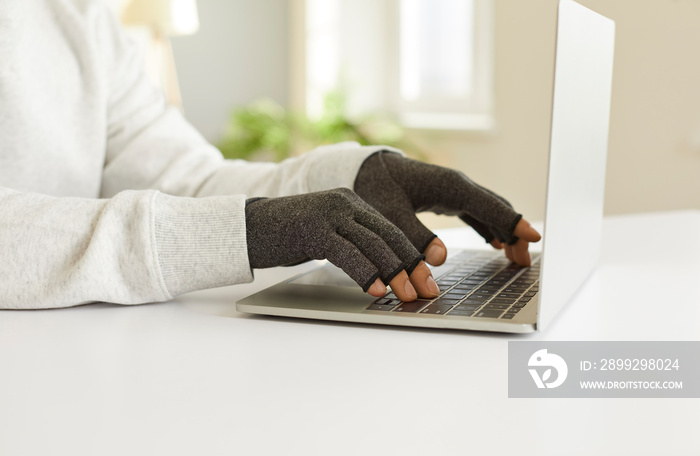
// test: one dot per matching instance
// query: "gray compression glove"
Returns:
(399, 188)
(336, 225)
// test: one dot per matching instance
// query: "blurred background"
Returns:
(461, 83)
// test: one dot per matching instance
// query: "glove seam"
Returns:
(514, 238)
(414, 263)
(425, 247)
(369, 283)
(393, 274)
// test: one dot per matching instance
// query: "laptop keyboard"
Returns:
(480, 284)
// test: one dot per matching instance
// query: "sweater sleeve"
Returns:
(137, 247)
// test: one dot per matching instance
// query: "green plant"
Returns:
(266, 129)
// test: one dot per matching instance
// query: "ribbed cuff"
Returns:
(201, 242)
(337, 165)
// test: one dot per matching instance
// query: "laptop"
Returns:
(480, 289)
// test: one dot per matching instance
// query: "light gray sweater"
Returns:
(106, 194)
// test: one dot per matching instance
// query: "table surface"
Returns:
(193, 376)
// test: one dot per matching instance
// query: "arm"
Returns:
(139, 246)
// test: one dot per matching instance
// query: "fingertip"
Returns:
(436, 253)
(411, 294)
(532, 235)
(496, 244)
(526, 232)
(509, 253)
(402, 287)
(523, 259)
(378, 289)
(432, 287)
(521, 255)
(423, 281)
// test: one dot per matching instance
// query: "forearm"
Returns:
(157, 148)
(138, 247)
(323, 168)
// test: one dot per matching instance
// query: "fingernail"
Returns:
(433, 253)
(377, 288)
(432, 286)
(410, 291)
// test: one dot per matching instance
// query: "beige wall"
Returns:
(653, 164)
(239, 54)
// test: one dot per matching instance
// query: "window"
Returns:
(429, 62)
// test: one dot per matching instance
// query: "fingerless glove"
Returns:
(336, 225)
(399, 187)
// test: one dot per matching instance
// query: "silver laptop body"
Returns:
(573, 217)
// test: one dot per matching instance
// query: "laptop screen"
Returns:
(579, 139)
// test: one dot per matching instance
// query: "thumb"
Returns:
(526, 232)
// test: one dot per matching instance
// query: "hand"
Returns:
(339, 226)
(399, 188)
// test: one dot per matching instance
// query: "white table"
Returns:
(194, 377)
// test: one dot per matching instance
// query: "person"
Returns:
(109, 195)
